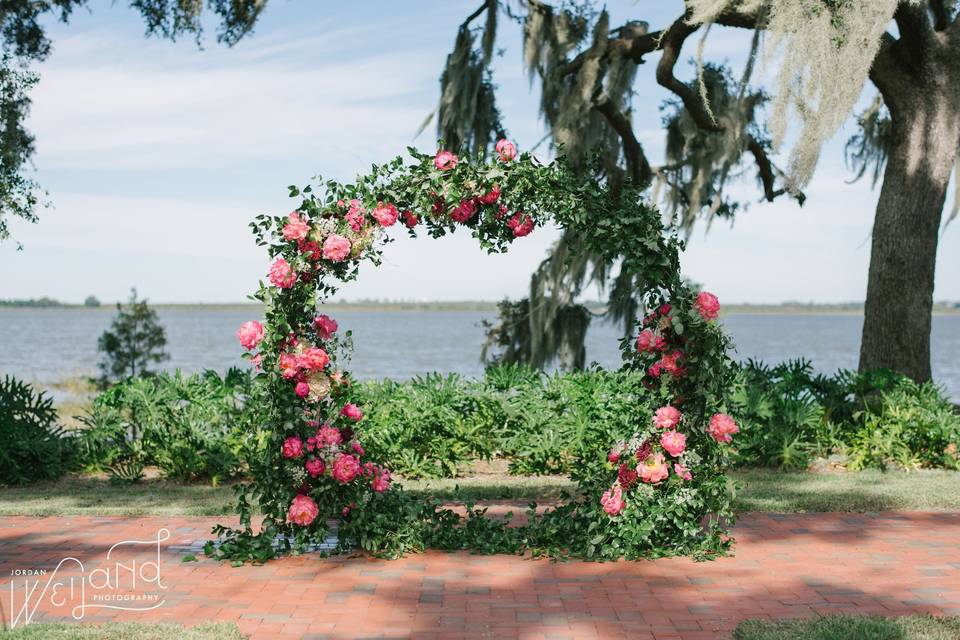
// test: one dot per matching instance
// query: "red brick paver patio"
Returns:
(784, 566)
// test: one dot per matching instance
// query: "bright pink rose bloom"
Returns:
(302, 389)
(612, 501)
(444, 160)
(667, 417)
(464, 211)
(664, 309)
(654, 469)
(506, 150)
(329, 436)
(613, 457)
(282, 274)
(325, 326)
(315, 467)
(292, 447)
(352, 412)
(708, 305)
(289, 365)
(250, 334)
(410, 219)
(336, 248)
(357, 448)
(345, 468)
(296, 228)
(303, 510)
(314, 359)
(385, 214)
(682, 471)
(490, 196)
(521, 225)
(673, 442)
(649, 341)
(655, 369)
(722, 427)
(355, 219)
(381, 480)
(671, 363)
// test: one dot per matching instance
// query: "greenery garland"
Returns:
(661, 490)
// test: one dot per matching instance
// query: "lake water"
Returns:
(49, 345)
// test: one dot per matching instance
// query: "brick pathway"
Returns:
(785, 566)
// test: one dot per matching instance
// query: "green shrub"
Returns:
(431, 424)
(32, 445)
(914, 425)
(191, 427)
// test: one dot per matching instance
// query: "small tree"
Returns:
(91, 301)
(133, 342)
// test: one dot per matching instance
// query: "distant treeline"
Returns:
(32, 302)
(945, 306)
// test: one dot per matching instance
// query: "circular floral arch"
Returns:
(659, 490)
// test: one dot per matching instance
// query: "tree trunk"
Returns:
(926, 133)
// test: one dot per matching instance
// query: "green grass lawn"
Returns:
(852, 628)
(757, 490)
(124, 631)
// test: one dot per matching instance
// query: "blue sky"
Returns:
(158, 154)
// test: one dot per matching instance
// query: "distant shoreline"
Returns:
(849, 309)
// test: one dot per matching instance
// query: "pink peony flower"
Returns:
(708, 305)
(722, 427)
(521, 225)
(664, 309)
(682, 471)
(614, 456)
(464, 211)
(649, 341)
(296, 228)
(626, 476)
(667, 417)
(385, 214)
(315, 467)
(302, 389)
(381, 480)
(410, 219)
(673, 442)
(357, 448)
(282, 274)
(289, 365)
(654, 469)
(506, 150)
(352, 412)
(444, 160)
(250, 334)
(303, 510)
(490, 196)
(345, 468)
(336, 248)
(325, 326)
(292, 447)
(329, 436)
(612, 501)
(655, 369)
(314, 359)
